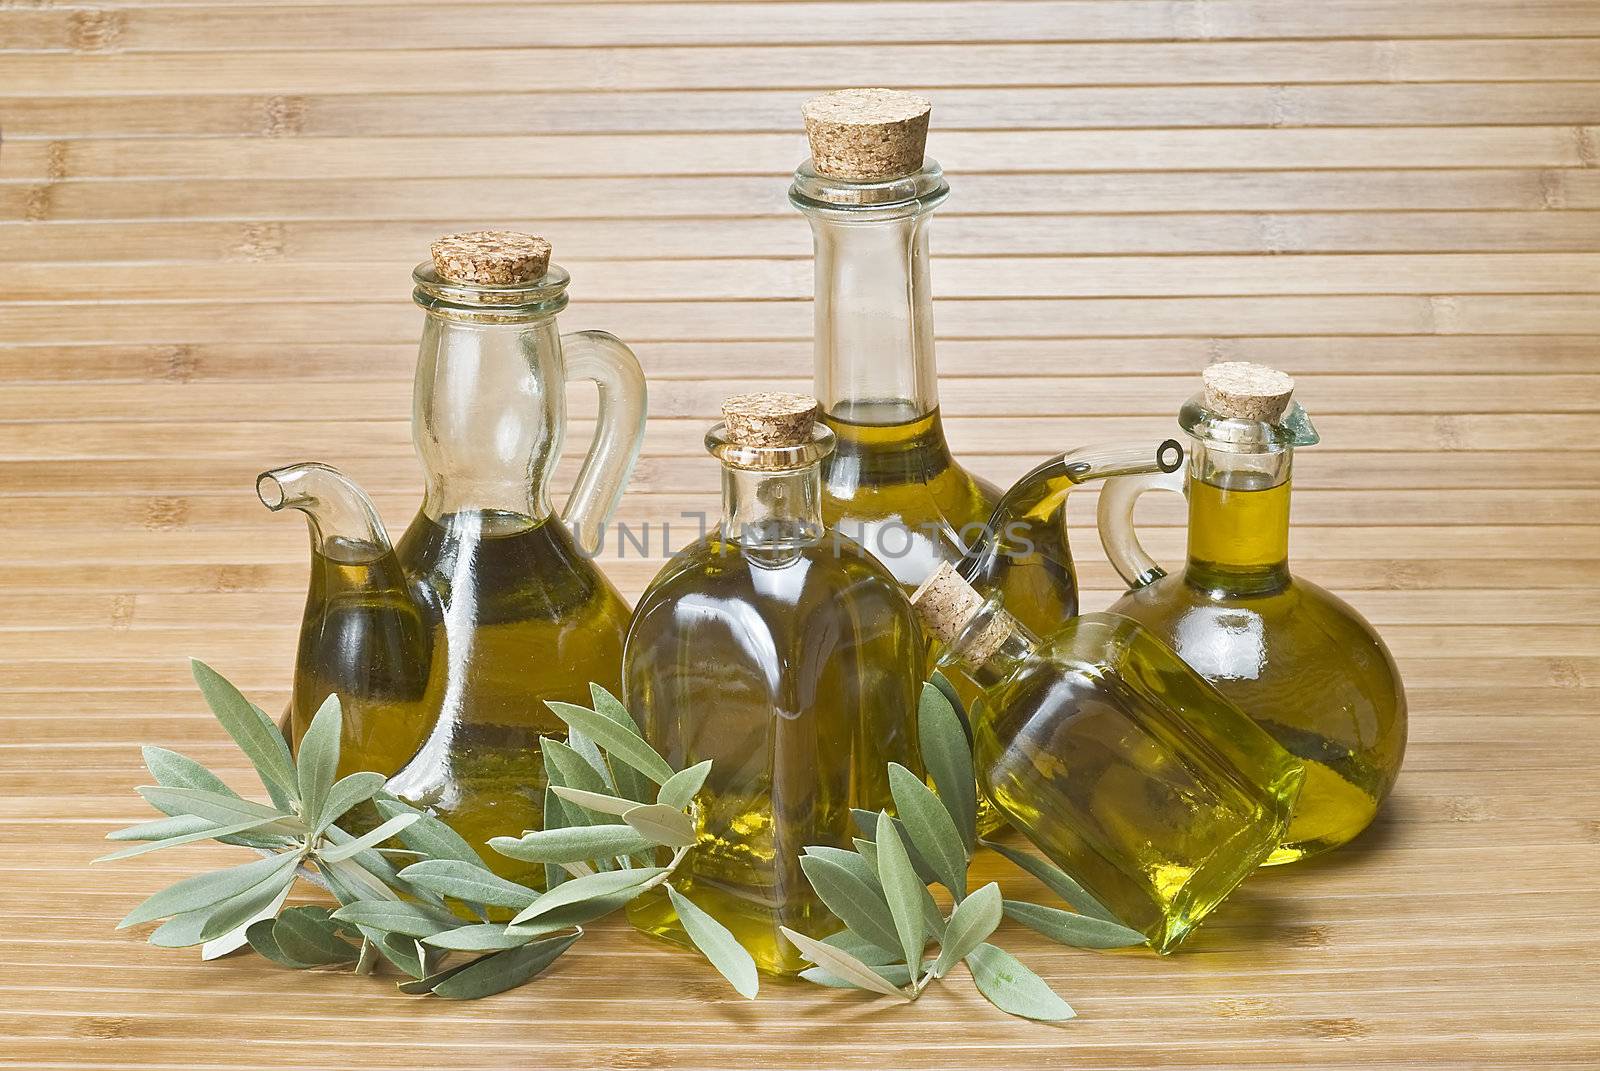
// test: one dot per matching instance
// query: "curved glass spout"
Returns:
(1013, 558)
(339, 513)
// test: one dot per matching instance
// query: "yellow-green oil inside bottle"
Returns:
(1133, 774)
(1300, 661)
(795, 670)
(364, 639)
(892, 485)
(518, 616)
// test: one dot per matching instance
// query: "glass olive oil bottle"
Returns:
(1306, 666)
(789, 657)
(492, 599)
(1115, 758)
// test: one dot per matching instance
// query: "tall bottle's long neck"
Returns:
(1238, 520)
(487, 415)
(874, 318)
(772, 509)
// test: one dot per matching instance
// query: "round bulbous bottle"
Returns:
(1299, 660)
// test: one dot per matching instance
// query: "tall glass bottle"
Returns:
(1115, 758)
(516, 612)
(788, 656)
(892, 484)
(1304, 664)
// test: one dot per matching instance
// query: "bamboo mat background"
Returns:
(208, 212)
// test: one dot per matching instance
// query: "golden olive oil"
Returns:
(518, 616)
(795, 670)
(1300, 661)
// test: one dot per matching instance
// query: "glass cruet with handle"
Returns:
(1300, 661)
(515, 611)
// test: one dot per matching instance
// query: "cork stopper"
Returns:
(867, 135)
(946, 602)
(1247, 391)
(491, 258)
(770, 418)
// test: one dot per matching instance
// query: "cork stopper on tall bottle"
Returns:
(491, 258)
(1247, 391)
(770, 419)
(946, 603)
(867, 135)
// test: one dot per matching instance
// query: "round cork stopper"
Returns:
(1247, 391)
(867, 135)
(770, 418)
(491, 258)
(946, 602)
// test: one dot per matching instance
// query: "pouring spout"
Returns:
(343, 522)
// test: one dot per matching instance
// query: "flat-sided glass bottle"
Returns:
(516, 612)
(790, 658)
(1304, 664)
(1115, 758)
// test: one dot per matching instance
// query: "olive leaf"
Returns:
(479, 937)
(620, 742)
(253, 731)
(346, 793)
(588, 887)
(368, 839)
(711, 937)
(942, 739)
(679, 790)
(1013, 988)
(842, 964)
(901, 888)
(661, 824)
(503, 970)
(1068, 928)
(471, 882)
(973, 920)
(427, 835)
(931, 829)
(1056, 880)
(318, 760)
(598, 802)
(572, 845)
(856, 901)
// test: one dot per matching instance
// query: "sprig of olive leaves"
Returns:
(880, 890)
(410, 916)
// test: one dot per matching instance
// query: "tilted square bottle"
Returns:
(790, 658)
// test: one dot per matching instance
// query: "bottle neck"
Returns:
(772, 510)
(1238, 519)
(992, 646)
(487, 414)
(874, 314)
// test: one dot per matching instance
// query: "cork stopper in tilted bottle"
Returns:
(491, 258)
(867, 135)
(770, 418)
(946, 603)
(1247, 391)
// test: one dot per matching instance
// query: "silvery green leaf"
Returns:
(973, 920)
(588, 887)
(204, 890)
(253, 731)
(396, 916)
(589, 752)
(863, 949)
(1078, 931)
(933, 921)
(931, 828)
(948, 689)
(555, 817)
(318, 759)
(211, 920)
(425, 983)
(503, 970)
(574, 914)
(480, 937)
(595, 801)
(212, 806)
(948, 757)
(468, 881)
(172, 770)
(259, 936)
(1013, 988)
(867, 823)
(235, 938)
(366, 840)
(346, 793)
(404, 952)
(711, 937)
(163, 828)
(680, 789)
(208, 832)
(428, 834)
(1057, 881)
(901, 888)
(567, 768)
(367, 867)
(308, 935)
(896, 974)
(843, 965)
(667, 826)
(628, 781)
(572, 845)
(858, 903)
(622, 744)
(609, 705)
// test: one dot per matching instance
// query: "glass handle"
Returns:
(603, 359)
(1115, 521)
